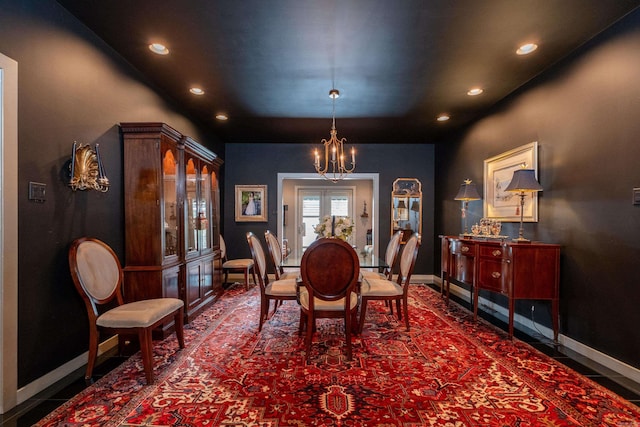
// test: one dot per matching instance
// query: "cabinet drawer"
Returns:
(462, 248)
(493, 275)
(497, 251)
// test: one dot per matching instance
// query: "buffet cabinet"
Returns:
(516, 270)
(171, 203)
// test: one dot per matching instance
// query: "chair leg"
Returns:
(347, 331)
(146, 348)
(406, 310)
(253, 273)
(246, 279)
(398, 309)
(179, 326)
(363, 313)
(301, 323)
(310, 327)
(226, 277)
(264, 311)
(94, 336)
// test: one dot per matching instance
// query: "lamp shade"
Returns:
(467, 191)
(524, 180)
(415, 206)
(401, 204)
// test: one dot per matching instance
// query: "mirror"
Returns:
(406, 207)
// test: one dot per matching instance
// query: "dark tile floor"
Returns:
(34, 409)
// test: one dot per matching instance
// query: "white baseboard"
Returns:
(523, 323)
(61, 372)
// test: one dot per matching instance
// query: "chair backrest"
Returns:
(408, 259)
(223, 249)
(275, 251)
(329, 269)
(391, 254)
(259, 259)
(96, 272)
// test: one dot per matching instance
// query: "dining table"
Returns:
(367, 260)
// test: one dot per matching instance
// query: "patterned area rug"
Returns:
(447, 371)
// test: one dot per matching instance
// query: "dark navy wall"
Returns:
(71, 87)
(259, 164)
(584, 116)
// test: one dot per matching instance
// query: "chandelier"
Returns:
(333, 166)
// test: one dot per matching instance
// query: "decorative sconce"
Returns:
(523, 181)
(87, 171)
(466, 193)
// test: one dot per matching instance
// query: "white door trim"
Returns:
(8, 233)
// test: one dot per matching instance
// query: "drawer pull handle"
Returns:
(496, 252)
(465, 249)
(496, 275)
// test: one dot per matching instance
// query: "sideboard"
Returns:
(517, 270)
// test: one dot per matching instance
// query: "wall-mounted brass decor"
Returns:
(87, 171)
(406, 207)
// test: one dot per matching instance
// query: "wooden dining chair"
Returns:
(389, 290)
(275, 252)
(277, 291)
(97, 275)
(390, 258)
(330, 271)
(244, 265)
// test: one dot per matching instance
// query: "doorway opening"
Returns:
(302, 197)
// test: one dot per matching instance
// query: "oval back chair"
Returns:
(330, 271)
(98, 277)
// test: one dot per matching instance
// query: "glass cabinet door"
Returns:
(204, 209)
(215, 201)
(170, 236)
(192, 205)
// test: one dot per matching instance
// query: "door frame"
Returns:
(8, 233)
(373, 177)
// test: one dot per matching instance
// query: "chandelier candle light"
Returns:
(334, 166)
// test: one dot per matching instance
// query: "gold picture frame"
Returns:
(251, 203)
(498, 170)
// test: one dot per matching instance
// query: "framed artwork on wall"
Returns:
(251, 203)
(498, 171)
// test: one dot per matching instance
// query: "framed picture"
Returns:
(498, 171)
(251, 203)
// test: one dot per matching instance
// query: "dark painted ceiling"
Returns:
(269, 64)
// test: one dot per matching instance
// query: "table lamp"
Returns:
(466, 193)
(523, 181)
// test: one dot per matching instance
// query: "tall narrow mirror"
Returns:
(406, 207)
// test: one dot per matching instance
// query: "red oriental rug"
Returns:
(448, 371)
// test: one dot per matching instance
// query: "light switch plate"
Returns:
(37, 191)
(636, 196)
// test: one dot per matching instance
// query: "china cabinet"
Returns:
(171, 198)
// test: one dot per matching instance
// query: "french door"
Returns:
(313, 204)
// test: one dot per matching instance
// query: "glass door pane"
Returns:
(204, 210)
(170, 214)
(192, 205)
(313, 205)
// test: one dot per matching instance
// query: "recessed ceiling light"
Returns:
(526, 49)
(196, 91)
(222, 117)
(158, 48)
(475, 91)
(443, 117)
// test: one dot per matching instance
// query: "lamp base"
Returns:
(521, 240)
